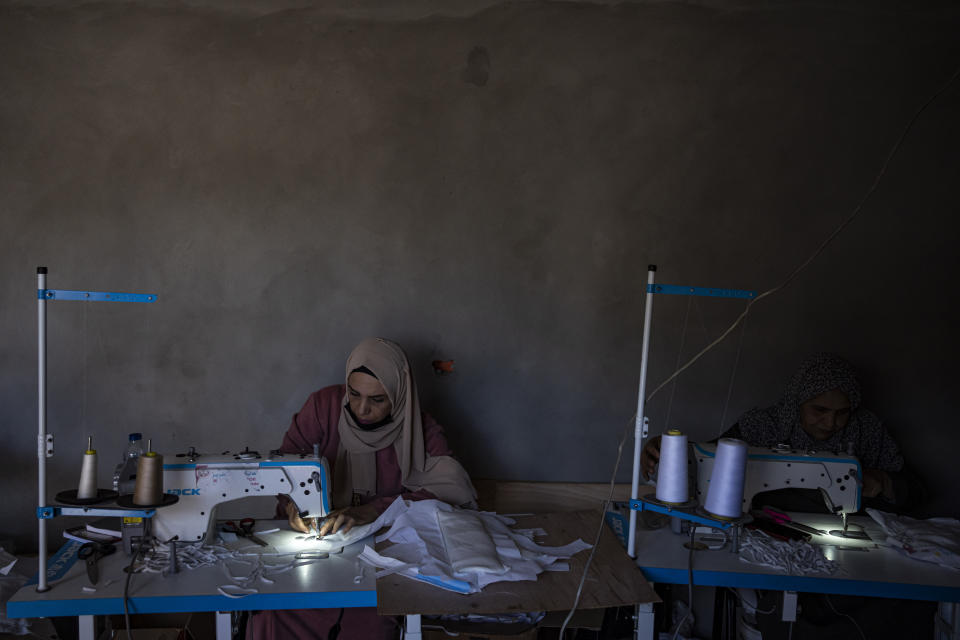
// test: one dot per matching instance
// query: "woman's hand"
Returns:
(650, 456)
(877, 483)
(293, 517)
(348, 518)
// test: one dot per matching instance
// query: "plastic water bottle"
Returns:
(125, 475)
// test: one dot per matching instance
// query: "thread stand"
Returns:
(693, 512)
(640, 429)
(80, 506)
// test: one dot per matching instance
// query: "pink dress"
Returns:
(317, 423)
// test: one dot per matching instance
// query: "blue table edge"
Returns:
(811, 584)
(177, 604)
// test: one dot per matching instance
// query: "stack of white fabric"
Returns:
(932, 540)
(461, 550)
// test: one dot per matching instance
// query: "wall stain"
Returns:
(477, 71)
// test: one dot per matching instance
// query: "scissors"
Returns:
(244, 530)
(92, 552)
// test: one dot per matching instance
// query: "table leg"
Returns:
(86, 627)
(412, 630)
(643, 622)
(224, 625)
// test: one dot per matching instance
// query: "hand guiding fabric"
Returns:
(293, 517)
(345, 519)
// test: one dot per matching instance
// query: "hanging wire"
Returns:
(596, 540)
(823, 245)
(683, 339)
(733, 377)
(736, 361)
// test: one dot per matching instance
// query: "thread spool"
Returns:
(87, 488)
(725, 495)
(148, 490)
(672, 469)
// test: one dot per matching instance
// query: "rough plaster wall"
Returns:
(488, 187)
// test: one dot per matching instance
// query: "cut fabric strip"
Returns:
(233, 591)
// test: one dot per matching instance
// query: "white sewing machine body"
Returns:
(202, 482)
(768, 468)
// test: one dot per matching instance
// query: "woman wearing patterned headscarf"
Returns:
(379, 446)
(821, 410)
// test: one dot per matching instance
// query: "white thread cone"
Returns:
(725, 495)
(672, 470)
(88, 476)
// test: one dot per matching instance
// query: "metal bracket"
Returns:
(677, 290)
(645, 431)
(94, 296)
(45, 445)
(683, 512)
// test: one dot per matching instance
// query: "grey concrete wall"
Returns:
(486, 186)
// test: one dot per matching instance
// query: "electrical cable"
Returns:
(126, 585)
(693, 532)
(752, 606)
(596, 540)
(733, 377)
(823, 245)
(845, 615)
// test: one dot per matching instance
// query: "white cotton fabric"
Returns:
(419, 550)
(468, 545)
(934, 540)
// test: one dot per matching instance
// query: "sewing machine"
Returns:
(204, 481)
(837, 476)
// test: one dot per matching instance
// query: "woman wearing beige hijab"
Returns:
(379, 446)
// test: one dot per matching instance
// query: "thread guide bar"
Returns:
(94, 296)
(711, 292)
